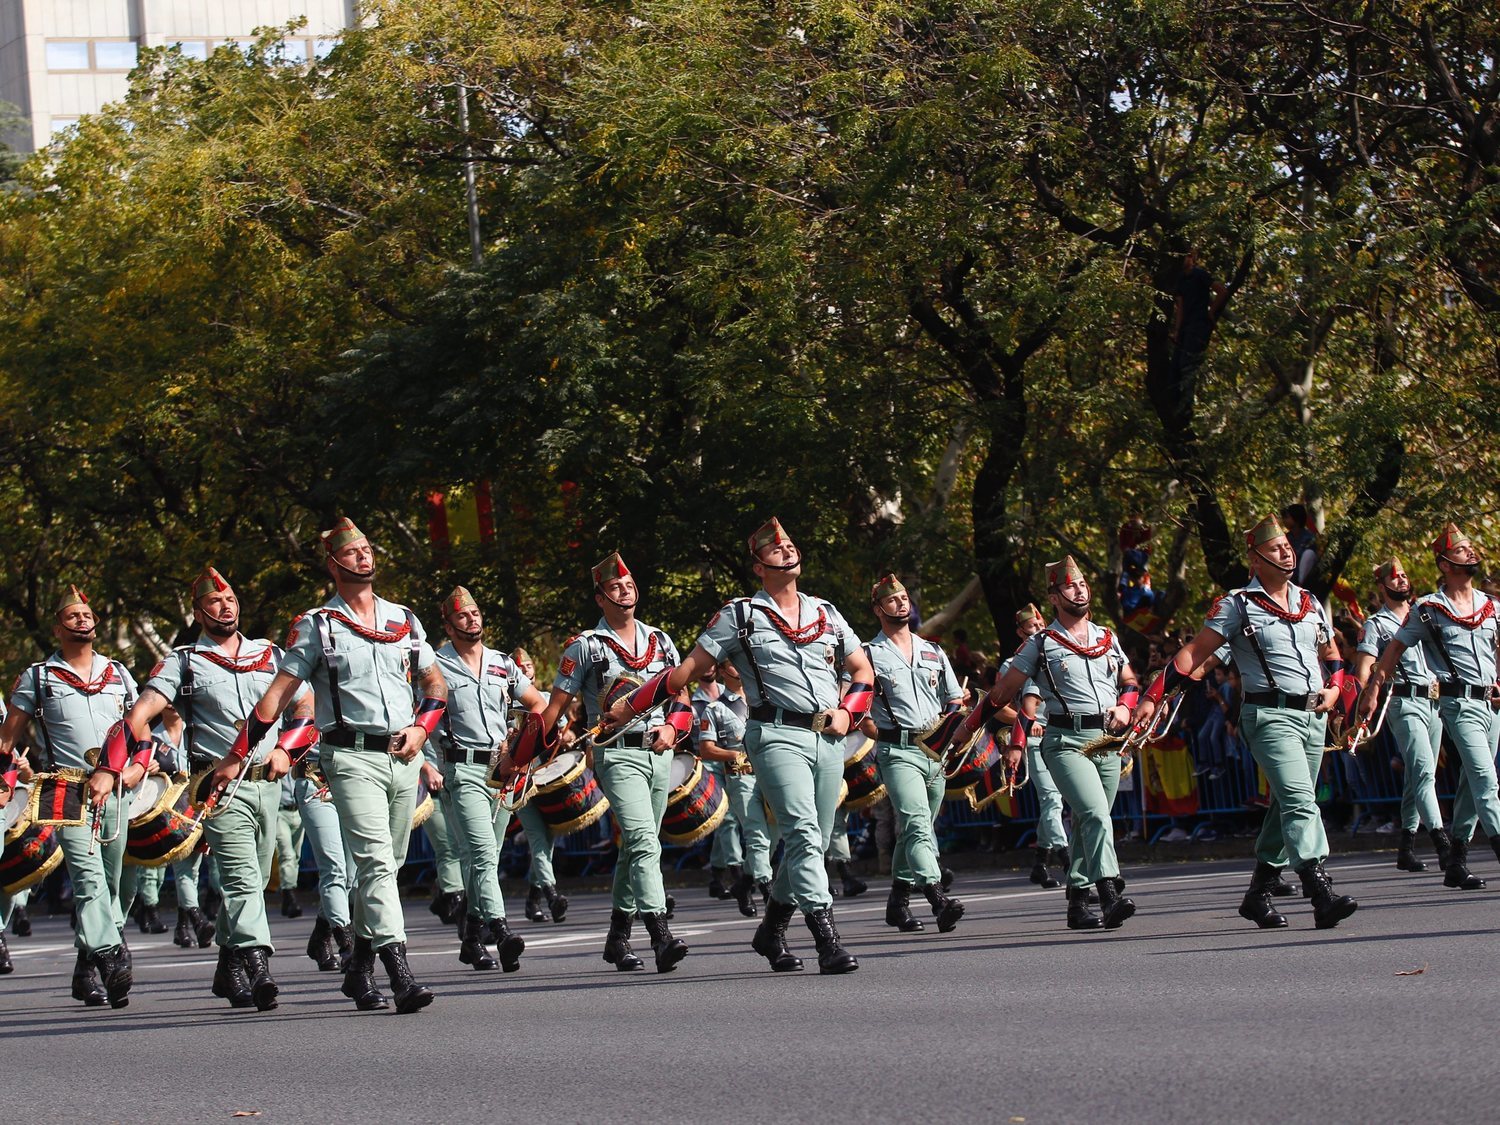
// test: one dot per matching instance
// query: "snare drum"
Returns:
(696, 802)
(60, 799)
(568, 796)
(861, 774)
(32, 851)
(162, 828)
(974, 770)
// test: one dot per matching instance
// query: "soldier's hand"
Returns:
(1117, 718)
(867, 726)
(431, 777)
(1143, 712)
(505, 768)
(24, 772)
(617, 716)
(1328, 699)
(101, 785)
(663, 738)
(1013, 756)
(838, 722)
(408, 743)
(226, 769)
(1365, 708)
(133, 775)
(278, 764)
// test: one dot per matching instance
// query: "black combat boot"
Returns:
(1256, 906)
(1278, 887)
(343, 941)
(471, 950)
(671, 907)
(668, 949)
(114, 971)
(853, 885)
(742, 890)
(898, 909)
(86, 986)
(203, 927)
(1114, 907)
(263, 989)
(1080, 917)
(770, 937)
(320, 945)
(1329, 909)
(1442, 843)
(764, 887)
(410, 996)
(832, 957)
(716, 887)
(1406, 859)
(5, 963)
(534, 911)
(1457, 874)
(945, 879)
(508, 946)
(617, 949)
(183, 934)
(20, 923)
(442, 905)
(231, 981)
(359, 978)
(1039, 873)
(946, 910)
(150, 921)
(290, 907)
(557, 903)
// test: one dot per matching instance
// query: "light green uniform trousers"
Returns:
(445, 853)
(374, 794)
(726, 849)
(289, 837)
(636, 783)
(1288, 747)
(540, 843)
(96, 879)
(838, 839)
(1049, 802)
(800, 774)
(242, 841)
(1418, 730)
(320, 820)
(143, 883)
(478, 823)
(1089, 785)
(750, 811)
(1473, 729)
(8, 904)
(185, 872)
(914, 783)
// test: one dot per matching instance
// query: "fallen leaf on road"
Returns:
(245, 1113)
(1411, 972)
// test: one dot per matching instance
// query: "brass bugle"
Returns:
(1363, 732)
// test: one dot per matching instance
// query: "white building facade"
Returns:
(62, 59)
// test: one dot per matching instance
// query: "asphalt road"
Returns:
(1186, 1014)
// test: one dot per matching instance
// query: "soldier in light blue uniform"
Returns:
(787, 647)
(719, 736)
(320, 824)
(482, 684)
(1088, 690)
(1051, 837)
(726, 855)
(1456, 628)
(914, 685)
(541, 879)
(75, 697)
(449, 903)
(1282, 644)
(368, 662)
(1411, 716)
(214, 684)
(290, 837)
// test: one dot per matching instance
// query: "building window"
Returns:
(294, 51)
(114, 55)
(194, 49)
(59, 124)
(323, 47)
(67, 55)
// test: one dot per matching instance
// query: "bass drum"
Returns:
(976, 766)
(162, 828)
(32, 851)
(861, 774)
(696, 802)
(568, 797)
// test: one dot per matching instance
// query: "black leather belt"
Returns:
(458, 756)
(764, 713)
(1454, 690)
(1075, 722)
(1415, 691)
(896, 736)
(1283, 700)
(347, 739)
(635, 740)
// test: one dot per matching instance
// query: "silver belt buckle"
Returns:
(1312, 699)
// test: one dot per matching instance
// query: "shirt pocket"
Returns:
(356, 660)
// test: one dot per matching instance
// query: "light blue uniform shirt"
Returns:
(910, 696)
(592, 661)
(1290, 647)
(1380, 627)
(69, 722)
(797, 677)
(1076, 685)
(221, 698)
(722, 721)
(477, 707)
(1470, 651)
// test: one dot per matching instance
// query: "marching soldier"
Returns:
(289, 840)
(1089, 690)
(1051, 838)
(1281, 642)
(541, 881)
(214, 684)
(363, 655)
(633, 770)
(482, 683)
(74, 697)
(720, 734)
(791, 650)
(1411, 716)
(1455, 627)
(331, 943)
(726, 856)
(914, 685)
(449, 902)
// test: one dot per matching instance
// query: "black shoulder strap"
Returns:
(185, 696)
(744, 625)
(875, 675)
(325, 639)
(1429, 622)
(41, 709)
(414, 653)
(1250, 633)
(1041, 660)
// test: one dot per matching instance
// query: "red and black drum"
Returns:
(696, 802)
(162, 827)
(861, 774)
(60, 799)
(568, 796)
(997, 781)
(971, 767)
(32, 850)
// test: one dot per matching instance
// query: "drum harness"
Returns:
(1251, 634)
(42, 690)
(744, 626)
(185, 692)
(325, 639)
(1429, 622)
(599, 663)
